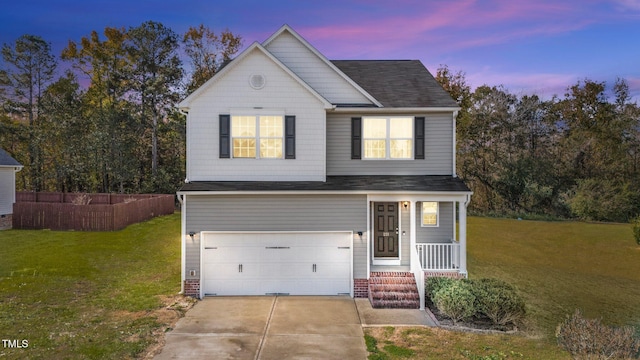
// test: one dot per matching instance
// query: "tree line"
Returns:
(572, 156)
(101, 117)
(107, 122)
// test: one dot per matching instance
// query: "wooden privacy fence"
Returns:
(87, 212)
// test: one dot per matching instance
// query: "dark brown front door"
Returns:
(385, 233)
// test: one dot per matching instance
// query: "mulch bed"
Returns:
(474, 324)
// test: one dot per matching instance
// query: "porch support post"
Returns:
(462, 223)
(416, 266)
(412, 224)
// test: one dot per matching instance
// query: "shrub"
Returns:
(590, 339)
(636, 229)
(603, 200)
(499, 301)
(456, 300)
(434, 284)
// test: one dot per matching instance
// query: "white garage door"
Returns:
(276, 263)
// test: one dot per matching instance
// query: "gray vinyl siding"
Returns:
(443, 233)
(438, 149)
(7, 190)
(278, 213)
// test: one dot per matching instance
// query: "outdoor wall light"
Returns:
(192, 233)
(405, 204)
(360, 233)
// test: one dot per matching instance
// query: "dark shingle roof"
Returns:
(7, 160)
(397, 83)
(395, 183)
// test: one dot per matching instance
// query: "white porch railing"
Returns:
(439, 257)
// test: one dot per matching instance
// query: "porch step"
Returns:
(393, 290)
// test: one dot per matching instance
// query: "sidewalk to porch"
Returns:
(370, 317)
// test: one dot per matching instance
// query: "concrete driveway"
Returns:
(268, 327)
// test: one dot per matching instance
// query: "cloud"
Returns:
(628, 4)
(445, 26)
(543, 84)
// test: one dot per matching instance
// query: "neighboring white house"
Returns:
(307, 176)
(8, 168)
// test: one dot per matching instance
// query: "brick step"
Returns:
(395, 304)
(392, 287)
(393, 290)
(395, 295)
(391, 274)
(392, 280)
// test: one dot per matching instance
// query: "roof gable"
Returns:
(315, 69)
(344, 83)
(7, 161)
(186, 103)
(397, 83)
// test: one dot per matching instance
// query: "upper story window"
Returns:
(257, 136)
(387, 137)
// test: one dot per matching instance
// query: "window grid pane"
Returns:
(430, 213)
(375, 128)
(401, 128)
(244, 148)
(271, 126)
(401, 149)
(243, 126)
(270, 148)
(375, 149)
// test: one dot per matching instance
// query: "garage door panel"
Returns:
(331, 270)
(262, 263)
(276, 254)
(328, 253)
(327, 285)
(232, 254)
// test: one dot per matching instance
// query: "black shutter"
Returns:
(225, 136)
(418, 135)
(290, 137)
(356, 138)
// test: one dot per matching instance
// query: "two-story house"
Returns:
(307, 176)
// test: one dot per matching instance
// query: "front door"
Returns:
(385, 233)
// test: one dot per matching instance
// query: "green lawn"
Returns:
(88, 294)
(561, 266)
(103, 295)
(557, 266)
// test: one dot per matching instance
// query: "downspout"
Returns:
(455, 115)
(185, 112)
(183, 241)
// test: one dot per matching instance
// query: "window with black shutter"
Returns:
(225, 132)
(289, 137)
(418, 134)
(356, 138)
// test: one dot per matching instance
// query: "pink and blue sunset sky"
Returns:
(539, 47)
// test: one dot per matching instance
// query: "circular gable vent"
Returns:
(257, 81)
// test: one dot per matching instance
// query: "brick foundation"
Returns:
(448, 274)
(192, 288)
(361, 288)
(6, 222)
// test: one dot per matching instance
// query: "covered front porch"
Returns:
(430, 235)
